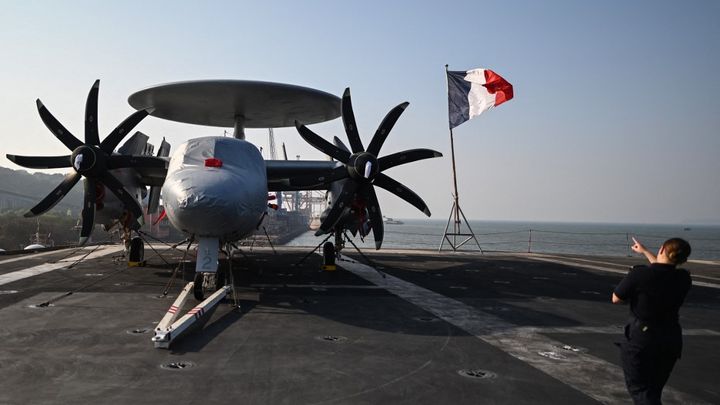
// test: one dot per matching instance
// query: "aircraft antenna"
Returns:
(271, 146)
(273, 156)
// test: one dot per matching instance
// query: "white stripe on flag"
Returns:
(479, 98)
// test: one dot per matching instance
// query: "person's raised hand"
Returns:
(638, 247)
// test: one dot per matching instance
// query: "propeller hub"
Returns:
(363, 166)
(88, 160)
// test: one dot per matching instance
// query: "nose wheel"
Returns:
(204, 282)
(209, 282)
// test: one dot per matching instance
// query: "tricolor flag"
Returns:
(472, 92)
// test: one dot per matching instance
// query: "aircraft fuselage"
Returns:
(216, 187)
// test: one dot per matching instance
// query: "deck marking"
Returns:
(33, 255)
(594, 377)
(550, 259)
(47, 267)
(328, 286)
(604, 330)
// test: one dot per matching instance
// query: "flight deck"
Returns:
(412, 327)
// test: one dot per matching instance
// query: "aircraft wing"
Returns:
(295, 175)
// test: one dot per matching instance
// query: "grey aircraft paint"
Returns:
(225, 202)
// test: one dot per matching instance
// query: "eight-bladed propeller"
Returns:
(92, 159)
(363, 169)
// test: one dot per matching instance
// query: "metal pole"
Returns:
(456, 211)
(627, 243)
(456, 197)
(529, 240)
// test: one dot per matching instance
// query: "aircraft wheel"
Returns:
(198, 287)
(328, 254)
(136, 252)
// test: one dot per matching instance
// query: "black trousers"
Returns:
(648, 356)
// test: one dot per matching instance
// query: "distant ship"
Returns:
(391, 221)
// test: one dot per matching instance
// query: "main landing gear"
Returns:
(331, 252)
(136, 252)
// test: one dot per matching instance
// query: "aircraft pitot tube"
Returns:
(92, 159)
(362, 169)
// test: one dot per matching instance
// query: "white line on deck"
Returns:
(551, 259)
(596, 378)
(25, 256)
(605, 330)
(47, 267)
(329, 286)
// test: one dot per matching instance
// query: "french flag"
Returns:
(472, 92)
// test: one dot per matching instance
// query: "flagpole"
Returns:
(452, 153)
(456, 210)
(456, 197)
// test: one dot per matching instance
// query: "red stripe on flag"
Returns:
(498, 86)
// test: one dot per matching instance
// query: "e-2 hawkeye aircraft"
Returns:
(215, 189)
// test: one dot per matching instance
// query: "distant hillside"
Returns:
(22, 190)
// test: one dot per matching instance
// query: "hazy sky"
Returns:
(616, 115)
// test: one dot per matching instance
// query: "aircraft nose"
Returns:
(213, 202)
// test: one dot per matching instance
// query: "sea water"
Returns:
(600, 239)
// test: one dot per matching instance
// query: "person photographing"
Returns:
(653, 336)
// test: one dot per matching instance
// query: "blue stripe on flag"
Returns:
(458, 105)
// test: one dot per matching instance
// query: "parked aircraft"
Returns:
(215, 189)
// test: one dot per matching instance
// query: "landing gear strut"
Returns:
(331, 252)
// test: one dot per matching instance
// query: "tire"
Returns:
(137, 250)
(198, 287)
(328, 254)
(220, 278)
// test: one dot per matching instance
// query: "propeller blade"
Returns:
(338, 207)
(135, 161)
(336, 174)
(40, 162)
(406, 156)
(386, 182)
(91, 112)
(55, 196)
(65, 136)
(129, 201)
(340, 144)
(322, 145)
(111, 142)
(348, 118)
(376, 220)
(88, 211)
(384, 128)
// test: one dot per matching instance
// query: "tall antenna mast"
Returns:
(271, 140)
